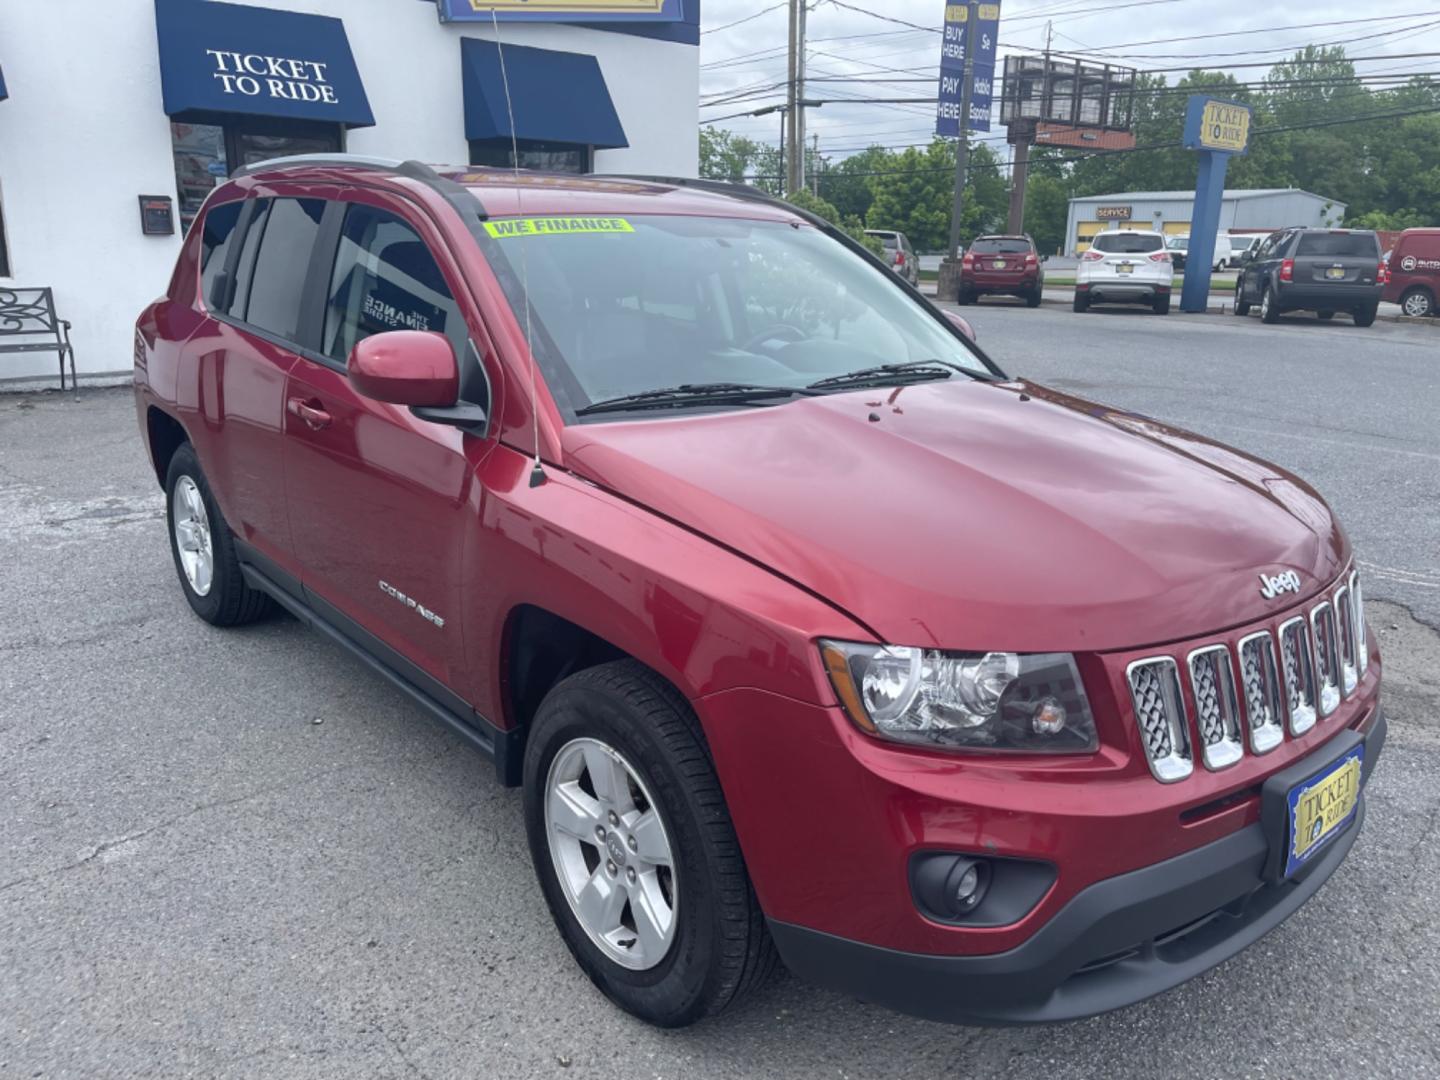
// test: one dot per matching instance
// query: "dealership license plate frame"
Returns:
(1307, 835)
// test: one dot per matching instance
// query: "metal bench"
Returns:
(30, 313)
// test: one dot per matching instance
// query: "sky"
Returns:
(749, 57)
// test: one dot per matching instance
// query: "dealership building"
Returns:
(1169, 212)
(117, 119)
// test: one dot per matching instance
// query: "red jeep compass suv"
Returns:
(807, 631)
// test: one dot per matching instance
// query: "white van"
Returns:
(1225, 255)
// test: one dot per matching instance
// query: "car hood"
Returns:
(970, 515)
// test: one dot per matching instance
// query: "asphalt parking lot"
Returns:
(238, 854)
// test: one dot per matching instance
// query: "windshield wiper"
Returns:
(695, 394)
(918, 370)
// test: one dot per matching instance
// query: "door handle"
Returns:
(312, 414)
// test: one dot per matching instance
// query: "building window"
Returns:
(534, 154)
(205, 154)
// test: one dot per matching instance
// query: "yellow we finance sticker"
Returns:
(556, 226)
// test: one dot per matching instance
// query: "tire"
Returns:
(1269, 310)
(1081, 304)
(1032, 299)
(1242, 307)
(718, 949)
(222, 598)
(1161, 305)
(1418, 302)
(1365, 316)
(1325, 316)
(964, 297)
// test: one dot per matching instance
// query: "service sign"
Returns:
(1215, 124)
(952, 68)
(562, 10)
(1113, 213)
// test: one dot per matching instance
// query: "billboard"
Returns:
(652, 11)
(1215, 124)
(952, 68)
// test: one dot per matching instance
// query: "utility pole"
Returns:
(962, 150)
(815, 167)
(795, 116)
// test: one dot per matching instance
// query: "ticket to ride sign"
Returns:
(562, 10)
(1218, 125)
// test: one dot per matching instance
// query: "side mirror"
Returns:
(961, 324)
(406, 367)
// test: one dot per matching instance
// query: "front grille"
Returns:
(1262, 691)
(1160, 712)
(1299, 666)
(1345, 633)
(1217, 712)
(1245, 696)
(1327, 658)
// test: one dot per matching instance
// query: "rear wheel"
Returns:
(634, 848)
(1161, 305)
(1365, 316)
(1032, 298)
(1418, 303)
(1242, 307)
(1269, 309)
(1082, 303)
(204, 549)
(964, 296)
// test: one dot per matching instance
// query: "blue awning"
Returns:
(556, 96)
(220, 60)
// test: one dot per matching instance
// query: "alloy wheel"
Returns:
(612, 853)
(1417, 305)
(192, 536)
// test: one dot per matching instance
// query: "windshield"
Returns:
(621, 306)
(1339, 244)
(1000, 246)
(1128, 243)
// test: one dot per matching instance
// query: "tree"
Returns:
(726, 156)
(814, 204)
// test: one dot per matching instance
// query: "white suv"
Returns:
(1125, 266)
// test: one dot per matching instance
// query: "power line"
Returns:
(746, 19)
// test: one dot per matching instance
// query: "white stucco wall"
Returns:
(83, 135)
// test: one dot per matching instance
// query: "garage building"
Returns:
(1261, 210)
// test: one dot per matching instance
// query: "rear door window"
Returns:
(282, 264)
(1338, 245)
(215, 244)
(1129, 243)
(385, 278)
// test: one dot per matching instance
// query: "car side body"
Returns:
(898, 252)
(1414, 278)
(484, 547)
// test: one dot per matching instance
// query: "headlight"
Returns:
(1031, 703)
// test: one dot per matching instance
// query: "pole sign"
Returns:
(650, 11)
(952, 67)
(1218, 129)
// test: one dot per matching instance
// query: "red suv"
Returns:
(805, 630)
(1414, 280)
(1001, 266)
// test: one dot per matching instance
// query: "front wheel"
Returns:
(634, 849)
(1269, 309)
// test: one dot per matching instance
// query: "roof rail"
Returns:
(463, 200)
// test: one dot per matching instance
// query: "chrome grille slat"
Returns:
(1217, 712)
(1345, 637)
(1296, 659)
(1160, 712)
(1327, 658)
(1261, 684)
(1357, 604)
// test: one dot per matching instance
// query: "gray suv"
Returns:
(898, 253)
(1320, 270)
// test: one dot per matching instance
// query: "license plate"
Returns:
(1321, 807)
(1335, 273)
(1125, 268)
(1000, 264)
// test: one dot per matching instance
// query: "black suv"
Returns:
(1320, 270)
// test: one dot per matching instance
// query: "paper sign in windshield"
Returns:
(556, 226)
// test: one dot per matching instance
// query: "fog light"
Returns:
(965, 885)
